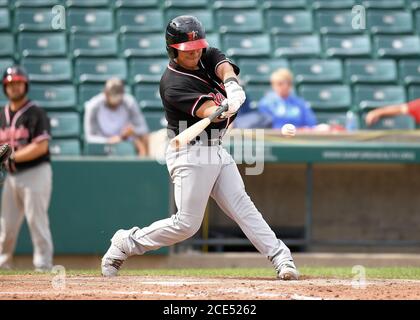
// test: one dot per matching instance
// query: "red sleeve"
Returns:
(414, 109)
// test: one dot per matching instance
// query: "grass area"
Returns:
(317, 272)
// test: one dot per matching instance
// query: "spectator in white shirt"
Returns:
(114, 116)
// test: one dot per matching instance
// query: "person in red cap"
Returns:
(411, 108)
(27, 187)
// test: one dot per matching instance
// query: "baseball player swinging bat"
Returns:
(190, 133)
(198, 77)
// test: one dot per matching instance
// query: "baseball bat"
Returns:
(191, 132)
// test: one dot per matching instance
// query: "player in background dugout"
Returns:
(283, 106)
(411, 108)
(28, 184)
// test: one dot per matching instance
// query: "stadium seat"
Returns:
(48, 70)
(417, 21)
(64, 124)
(289, 21)
(65, 147)
(331, 118)
(147, 20)
(383, 4)
(98, 45)
(86, 91)
(36, 3)
(5, 63)
(136, 3)
(205, 16)
(243, 21)
(42, 44)
(155, 120)
(255, 93)
(246, 45)
(99, 70)
(413, 92)
(397, 46)
(401, 122)
(4, 19)
(413, 4)
(371, 71)
(34, 19)
(147, 70)
(213, 40)
(148, 96)
(326, 97)
(332, 4)
(409, 71)
(237, 4)
(143, 45)
(335, 22)
(90, 20)
(102, 149)
(389, 21)
(259, 70)
(185, 3)
(7, 48)
(284, 4)
(315, 70)
(53, 97)
(87, 3)
(3, 99)
(347, 45)
(374, 96)
(297, 46)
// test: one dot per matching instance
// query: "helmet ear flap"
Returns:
(172, 52)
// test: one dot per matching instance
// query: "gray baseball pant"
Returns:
(27, 194)
(199, 172)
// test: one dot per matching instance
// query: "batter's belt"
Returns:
(208, 143)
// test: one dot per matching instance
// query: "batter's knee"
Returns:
(187, 228)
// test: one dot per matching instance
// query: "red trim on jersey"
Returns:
(414, 109)
(191, 45)
(15, 118)
(187, 74)
(41, 137)
(196, 103)
(219, 63)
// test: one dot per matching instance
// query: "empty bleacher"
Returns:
(337, 67)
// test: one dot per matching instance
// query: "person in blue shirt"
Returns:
(283, 106)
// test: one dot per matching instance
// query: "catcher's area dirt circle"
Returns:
(203, 288)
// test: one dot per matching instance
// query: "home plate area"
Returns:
(185, 288)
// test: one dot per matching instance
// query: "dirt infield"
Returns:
(174, 288)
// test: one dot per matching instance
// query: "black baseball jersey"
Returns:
(29, 124)
(184, 91)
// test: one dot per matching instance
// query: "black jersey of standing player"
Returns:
(29, 124)
(184, 91)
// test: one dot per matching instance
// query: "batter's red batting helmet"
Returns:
(14, 74)
(184, 33)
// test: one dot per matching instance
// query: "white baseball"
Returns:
(288, 130)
